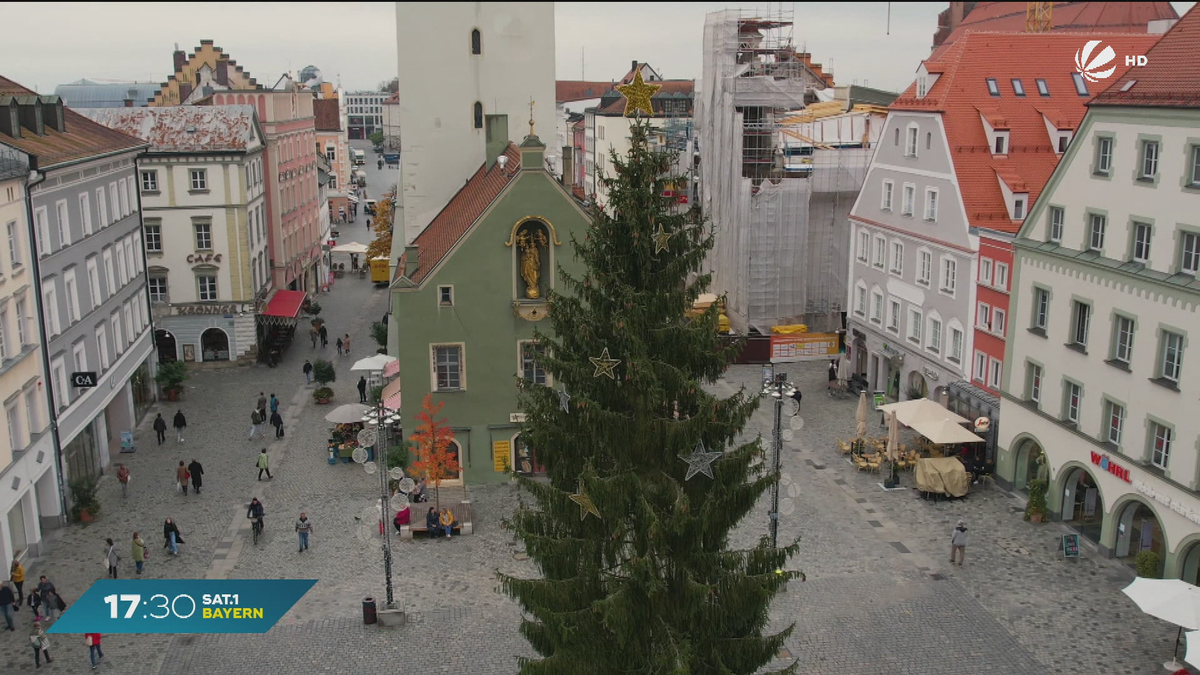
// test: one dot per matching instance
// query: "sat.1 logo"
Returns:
(1090, 65)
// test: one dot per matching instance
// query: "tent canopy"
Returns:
(372, 364)
(352, 247)
(945, 432)
(285, 304)
(391, 395)
(909, 412)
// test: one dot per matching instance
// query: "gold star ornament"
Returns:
(605, 365)
(586, 506)
(637, 95)
(661, 237)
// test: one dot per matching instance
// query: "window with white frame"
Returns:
(158, 288)
(207, 287)
(983, 316)
(1115, 416)
(1033, 382)
(127, 312)
(924, 267)
(910, 197)
(985, 271)
(864, 244)
(949, 279)
(922, 86)
(897, 257)
(93, 281)
(102, 346)
(1160, 444)
(1001, 280)
(1193, 170)
(16, 439)
(999, 321)
(118, 339)
(122, 270)
(1171, 363)
(149, 181)
(1141, 242)
(14, 244)
(980, 372)
(123, 197)
(114, 203)
(860, 300)
(1041, 308)
(1057, 217)
(153, 236)
(894, 315)
(876, 306)
(915, 321)
(1019, 208)
(72, 291)
(933, 340)
(22, 319)
(199, 179)
(64, 223)
(85, 213)
(135, 267)
(79, 353)
(1189, 252)
(445, 296)
(995, 372)
(888, 188)
(880, 251)
(1001, 144)
(42, 231)
(58, 370)
(32, 414)
(1072, 393)
(531, 366)
(931, 204)
(910, 144)
(1149, 160)
(203, 231)
(447, 365)
(50, 307)
(1098, 223)
(3, 335)
(1081, 317)
(1103, 161)
(102, 207)
(109, 274)
(1122, 344)
(956, 345)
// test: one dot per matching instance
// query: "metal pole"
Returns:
(382, 445)
(777, 442)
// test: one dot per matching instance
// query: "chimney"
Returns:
(496, 135)
(411, 259)
(568, 166)
(633, 67)
(179, 57)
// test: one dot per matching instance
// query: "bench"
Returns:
(463, 520)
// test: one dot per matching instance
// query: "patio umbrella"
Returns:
(347, 414)
(860, 416)
(352, 247)
(893, 438)
(1192, 655)
(373, 363)
(1172, 600)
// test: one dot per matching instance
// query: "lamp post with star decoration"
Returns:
(647, 475)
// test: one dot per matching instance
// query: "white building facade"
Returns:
(502, 57)
(364, 113)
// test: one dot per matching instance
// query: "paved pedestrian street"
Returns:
(881, 596)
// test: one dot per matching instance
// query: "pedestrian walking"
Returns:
(51, 605)
(171, 537)
(313, 335)
(138, 552)
(303, 529)
(16, 572)
(958, 544)
(256, 421)
(308, 369)
(7, 601)
(324, 336)
(160, 428)
(263, 464)
(123, 479)
(41, 645)
(277, 422)
(181, 477)
(92, 640)
(197, 473)
(368, 223)
(274, 403)
(111, 558)
(339, 346)
(262, 403)
(180, 424)
(34, 600)
(346, 343)
(362, 389)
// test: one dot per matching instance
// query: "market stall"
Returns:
(343, 436)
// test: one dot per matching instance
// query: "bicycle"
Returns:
(256, 527)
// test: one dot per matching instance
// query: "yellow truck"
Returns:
(379, 270)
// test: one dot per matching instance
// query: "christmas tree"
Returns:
(646, 478)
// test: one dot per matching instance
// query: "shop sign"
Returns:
(1110, 466)
(84, 380)
(1174, 504)
(804, 347)
(501, 456)
(220, 308)
(200, 258)
(930, 373)
(878, 399)
(516, 418)
(1070, 545)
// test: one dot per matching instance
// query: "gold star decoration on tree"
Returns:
(661, 237)
(637, 95)
(586, 506)
(605, 365)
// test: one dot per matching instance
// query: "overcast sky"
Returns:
(596, 41)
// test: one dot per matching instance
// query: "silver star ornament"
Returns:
(700, 461)
(564, 400)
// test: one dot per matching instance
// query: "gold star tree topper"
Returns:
(637, 95)
(605, 365)
(586, 506)
(661, 239)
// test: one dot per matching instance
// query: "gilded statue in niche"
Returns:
(530, 240)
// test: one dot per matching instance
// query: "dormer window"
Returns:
(993, 87)
(922, 87)
(1043, 89)
(1064, 139)
(1018, 87)
(1018, 206)
(1000, 147)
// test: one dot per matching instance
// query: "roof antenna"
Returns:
(889, 19)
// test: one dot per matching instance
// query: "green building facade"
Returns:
(468, 294)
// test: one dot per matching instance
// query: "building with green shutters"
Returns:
(468, 293)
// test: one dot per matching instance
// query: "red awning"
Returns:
(391, 394)
(285, 304)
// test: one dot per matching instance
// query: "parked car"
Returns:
(378, 149)
(391, 157)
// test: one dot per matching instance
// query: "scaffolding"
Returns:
(777, 199)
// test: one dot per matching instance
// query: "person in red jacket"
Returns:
(92, 640)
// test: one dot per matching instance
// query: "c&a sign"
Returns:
(1110, 466)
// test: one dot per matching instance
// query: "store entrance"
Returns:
(1138, 530)
(1083, 508)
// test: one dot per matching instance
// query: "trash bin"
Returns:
(369, 615)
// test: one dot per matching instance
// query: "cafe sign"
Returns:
(203, 258)
(223, 309)
(1110, 466)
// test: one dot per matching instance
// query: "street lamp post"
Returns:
(383, 418)
(777, 389)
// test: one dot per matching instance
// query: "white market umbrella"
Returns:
(1192, 655)
(348, 413)
(1172, 600)
(860, 416)
(944, 432)
(893, 438)
(352, 247)
(374, 363)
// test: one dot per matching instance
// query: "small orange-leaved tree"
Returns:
(433, 437)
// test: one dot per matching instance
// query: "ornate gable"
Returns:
(206, 69)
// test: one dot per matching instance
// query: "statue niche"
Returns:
(530, 240)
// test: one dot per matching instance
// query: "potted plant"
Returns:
(1036, 509)
(323, 373)
(170, 377)
(915, 393)
(84, 505)
(379, 332)
(1148, 564)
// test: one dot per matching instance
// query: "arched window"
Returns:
(476, 42)
(478, 115)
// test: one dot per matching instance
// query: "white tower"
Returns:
(458, 62)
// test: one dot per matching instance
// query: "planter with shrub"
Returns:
(84, 504)
(170, 377)
(323, 373)
(1036, 510)
(1148, 564)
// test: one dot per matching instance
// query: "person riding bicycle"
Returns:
(256, 512)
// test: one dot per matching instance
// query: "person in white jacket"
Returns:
(958, 544)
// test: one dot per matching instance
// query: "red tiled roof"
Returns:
(326, 112)
(461, 212)
(670, 90)
(83, 138)
(961, 95)
(1171, 76)
(1058, 119)
(394, 99)
(1068, 17)
(566, 91)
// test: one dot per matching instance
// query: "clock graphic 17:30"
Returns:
(182, 606)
